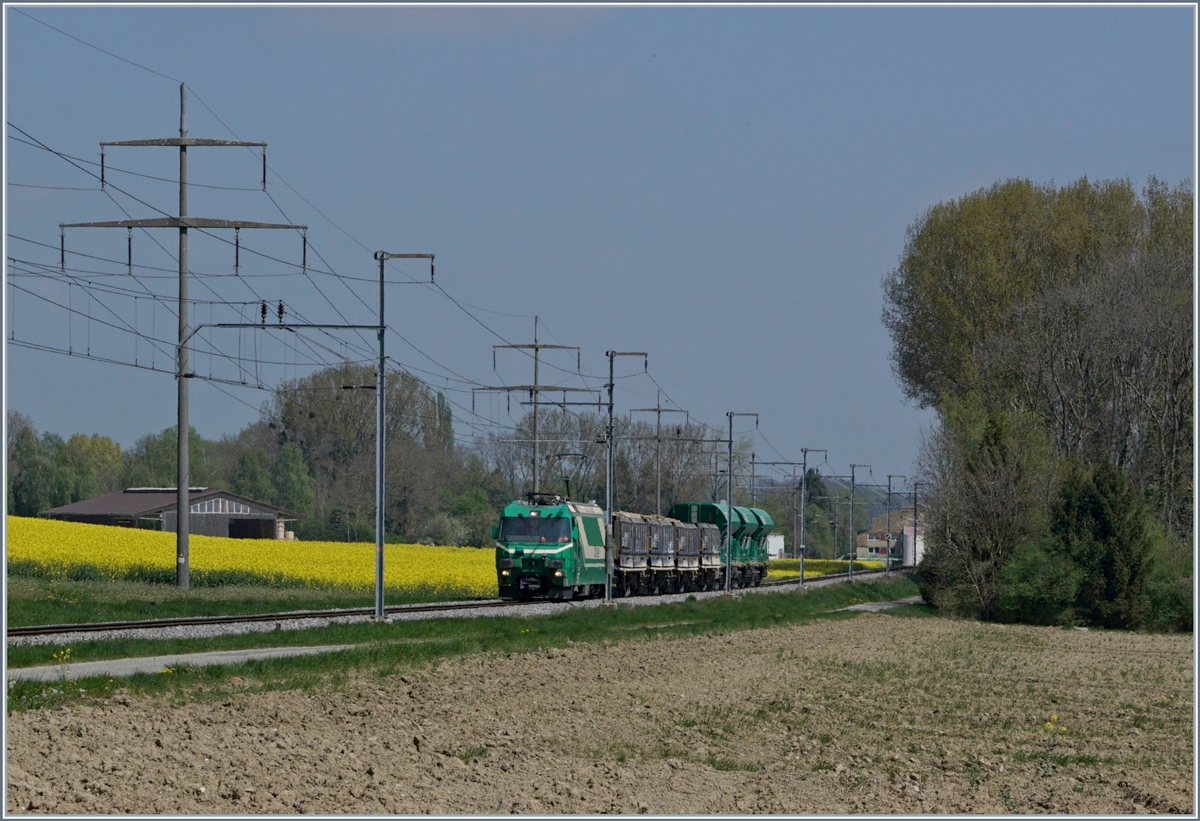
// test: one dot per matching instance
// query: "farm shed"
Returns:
(214, 512)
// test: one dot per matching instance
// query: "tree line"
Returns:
(312, 450)
(1051, 329)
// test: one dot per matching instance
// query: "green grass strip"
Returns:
(34, 599)
(396, 646)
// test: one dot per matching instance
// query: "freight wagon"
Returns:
(551, 547)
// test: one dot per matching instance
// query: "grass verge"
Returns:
(42, 595)
(34, 599)
(392, 647)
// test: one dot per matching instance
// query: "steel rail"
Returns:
(194, 621)
(399, 609)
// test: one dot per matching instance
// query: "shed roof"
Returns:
(901, 517)
(139, 502)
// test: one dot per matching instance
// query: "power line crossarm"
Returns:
(262, 326)
(185, 141)
(177, 222)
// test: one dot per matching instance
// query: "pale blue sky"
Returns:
(722, 187)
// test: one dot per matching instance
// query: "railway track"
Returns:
(196, 621)
(359, 612)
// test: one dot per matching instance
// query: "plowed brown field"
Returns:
(878, 714)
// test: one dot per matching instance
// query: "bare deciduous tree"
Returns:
(988, 480)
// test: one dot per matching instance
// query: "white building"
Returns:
(912, 543)
(775, 546)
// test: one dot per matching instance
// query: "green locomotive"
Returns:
(551, 547)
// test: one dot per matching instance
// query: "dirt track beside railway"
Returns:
(875, 715)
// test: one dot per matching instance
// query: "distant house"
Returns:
(213, 512)
(907, 542)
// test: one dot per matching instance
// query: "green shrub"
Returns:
(1170, 589)
(940, 586)
(1105, 528)
(1038, 585)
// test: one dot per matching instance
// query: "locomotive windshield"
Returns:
(534, 529)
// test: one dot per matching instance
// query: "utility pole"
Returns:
(800, 549)
(182, 222)
(608, 478)
(753, 489)
(729, 504)
(658, 410)
(536, 388)
(835, 504)
(887, 567)
(853, 546)
(795, 535)
(838, 501)
(804, 504)
(793, 502)
(833, 521)
(381, 426)
(914, 486)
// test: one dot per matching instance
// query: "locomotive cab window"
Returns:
(522, 529)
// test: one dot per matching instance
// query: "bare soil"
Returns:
(878, 714)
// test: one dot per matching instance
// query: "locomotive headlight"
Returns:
(558, 574)
(504, 573)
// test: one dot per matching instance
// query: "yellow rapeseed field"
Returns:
(115, 551)
(439, 572)
(781, 569)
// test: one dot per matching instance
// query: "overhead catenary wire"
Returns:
(200, 99)
(302, 269)
(205, 232)
(97, 48)
(341, 278)
(165, 273)
(48, 187)
(127, 293)
(304, 265)
(61, 155)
